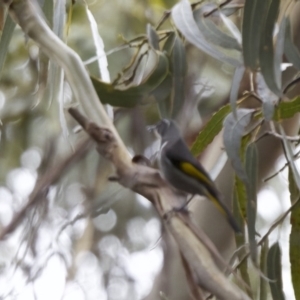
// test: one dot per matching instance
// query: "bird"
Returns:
(183, 171)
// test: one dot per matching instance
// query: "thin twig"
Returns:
(165, 16)
(279, 136)
(273, 226)
(281, 169)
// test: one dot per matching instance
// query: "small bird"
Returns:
(181, 169)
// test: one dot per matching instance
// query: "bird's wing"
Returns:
(193, 168)
(190, 166)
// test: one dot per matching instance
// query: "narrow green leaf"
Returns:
(134, 95)
(295, 235)
(182, 16)
(99, 47)
(253, 19)
(241, 197)
(178, 69)
(290, 156)
(6, 36)
(266, 52)
(268, 97)
(251, 164)
(286, 110)
(210, 130)
(233, 132)
(169, 43)
(233, 29)
(290, 50)
(152, 37)
(263, 287)
(162, 97)
(274, 272)
(279, 52)
(236, 81)
(213, 34)
(165, 104)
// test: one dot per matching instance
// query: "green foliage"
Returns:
(274, 271)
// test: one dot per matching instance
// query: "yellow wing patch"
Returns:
(189, 169)
(217, 204)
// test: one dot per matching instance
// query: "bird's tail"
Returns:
(226, 212)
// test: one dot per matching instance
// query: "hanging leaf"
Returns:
(251, 165)
(233, 29)
(234, 92)
(183, 18)
(253, 19)
(178, 69)
(213, 34)
(134, 95)
(6, 36)
(266, 52)
(210, 130)
(239, 213)
(99, 45)
(169, 43)
(290, 50)
(290, 156)
(279, 52)
(233, 132)
(165, 104)
(295, 235)
(267, 96)
(263, 287)
(274, 272)
(162, 94)
(153, 39)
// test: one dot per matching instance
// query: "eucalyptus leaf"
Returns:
(6, 36)
(210, 130)
(213, 34)
(290, 156)
(295, 235)
(263, 287)
(234, 127)
(269, 99)
(169, 43)
(253, 19)
(137, 94)
(274, 272)
(290, 50)
(236, 81)
(99, 45)
(178, 68)
(233, 29)
(266, 52)
(183, 18)
(251, 165)
(279, 52)
(152, 37)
